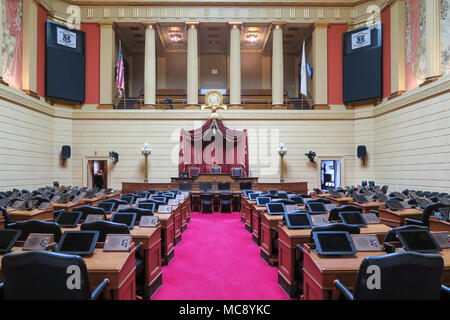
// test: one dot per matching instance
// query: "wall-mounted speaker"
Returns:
(362, 153)
(65, 152)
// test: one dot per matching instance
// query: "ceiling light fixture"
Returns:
(252, 38)
(175, 37)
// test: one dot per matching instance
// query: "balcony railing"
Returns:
(247, 103)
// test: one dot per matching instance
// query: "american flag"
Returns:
(120, 75)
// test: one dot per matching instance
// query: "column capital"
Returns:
(150, 25)
(278, 24)
(321, 25)
(235, 24)
(192, 24)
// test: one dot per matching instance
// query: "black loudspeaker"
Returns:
(362, 153)
(65, 151)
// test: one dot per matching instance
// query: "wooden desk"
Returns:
(341, 201)
(177, 218)
(167, 236)
(323, 195)
(397, 218)
(268, 223)
(118, 267)
(439, 225)
(66, 206)
(151, 243)
(368, 206)
(319, 272)
(36, 214)
(288, 254)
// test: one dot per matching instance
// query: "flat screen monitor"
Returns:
(316, 207)
(146, 205)
(127, 218)
(261, 201)
(159, 199)
(298, 220)
(334, 243)
(69, 219)
(7, 239)
(353, 217)
(78, 242)
(253, 196)
(394, 205)
(245, 185)
(247, 192)
(275, 208)
(418, 241)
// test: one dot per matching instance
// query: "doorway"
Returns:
(98, 174)
(330, 176)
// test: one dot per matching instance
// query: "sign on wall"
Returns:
(361, 39)
(66, 38)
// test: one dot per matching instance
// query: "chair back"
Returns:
(236, 172)
(194, 172)
(36, 226)
(224, 186)
(185, 186)
(206, 196)
(402, 276)
(215, 170)
(43, 275)
(334, 213)
(129, 198)
(116, 202)
(107, 206)
(384, 189)
(104, 228)
(225, 196)
(90, 210)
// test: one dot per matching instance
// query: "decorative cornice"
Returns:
(437, 88)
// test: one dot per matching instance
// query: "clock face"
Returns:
(214, 99)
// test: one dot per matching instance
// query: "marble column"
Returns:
(320, 58)
(235, 64)
(107, 64)
(192, 64)
(150, 66)
(277, 65)
(433, 40)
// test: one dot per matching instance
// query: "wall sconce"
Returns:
(114, 156)
(146, 151)
(311, 155)
(282, 151)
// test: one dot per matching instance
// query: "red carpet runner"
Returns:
(217, 260)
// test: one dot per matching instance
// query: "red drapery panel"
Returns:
(213, 145)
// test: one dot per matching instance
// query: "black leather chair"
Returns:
(116, 202)
(40, 200)
(152, 191)
(139, 212)
(104, 228)
(43, 275)
(185, 186)
(195, 203)
(223, 186)
(427, 212)
(89, 210)
(404, 276)
(323, 200)
(364, 183)
(36, 226)
(225, 199)
(207, 202)
(129, 198)
(142, 194)
(107, 206)
(334, 213)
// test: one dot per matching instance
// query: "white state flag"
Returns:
(303, 85)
